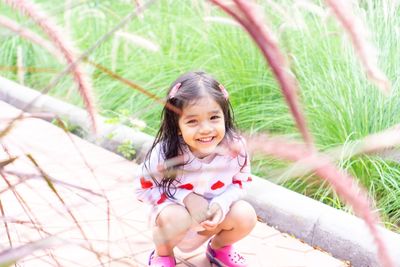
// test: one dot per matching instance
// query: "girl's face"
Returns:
(202, 126)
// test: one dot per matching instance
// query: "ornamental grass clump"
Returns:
(64, 45)
(246, 13)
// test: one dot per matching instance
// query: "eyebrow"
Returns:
(195, 115)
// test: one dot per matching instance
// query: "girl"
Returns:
(194, 174)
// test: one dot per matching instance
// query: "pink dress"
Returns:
(219, 178)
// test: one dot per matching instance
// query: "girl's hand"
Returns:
(197, 206)
(214, 217)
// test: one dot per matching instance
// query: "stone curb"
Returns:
(109, 136)
(345, 236)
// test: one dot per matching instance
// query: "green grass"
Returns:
(340, 104)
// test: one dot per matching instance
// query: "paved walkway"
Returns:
(81, 196)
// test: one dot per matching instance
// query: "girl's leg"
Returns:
(237, 224)
(171, 226)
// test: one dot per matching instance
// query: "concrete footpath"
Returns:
(81, 195)
(340, 233)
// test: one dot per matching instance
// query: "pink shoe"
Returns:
(161, 261)
(225, 256)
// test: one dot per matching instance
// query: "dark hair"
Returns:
(194, 86)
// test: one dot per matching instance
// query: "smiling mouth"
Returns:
(206, 140)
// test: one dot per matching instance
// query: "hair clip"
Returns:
(174, 90)
(224, 92)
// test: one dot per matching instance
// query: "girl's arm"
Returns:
(240, 180)
(147, 189)
(148, 179)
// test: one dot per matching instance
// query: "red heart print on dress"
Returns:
(162, 199)
(186, 186)
(238, 182)
(145, 184)
(217, 185)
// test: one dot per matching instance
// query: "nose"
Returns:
(205, 128)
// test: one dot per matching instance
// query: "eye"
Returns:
(215, 117)
(191, 122)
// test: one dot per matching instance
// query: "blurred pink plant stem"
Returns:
(359, 36)
(373, 143)
(83, 56)
(32, 36)
(246, 13)
(64, 45)
(343, 184)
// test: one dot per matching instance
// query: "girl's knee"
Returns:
(175, 215)
(242, 212)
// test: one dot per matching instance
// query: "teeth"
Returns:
(206, 139)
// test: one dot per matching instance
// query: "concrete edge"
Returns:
(109, 136)
(345, 236)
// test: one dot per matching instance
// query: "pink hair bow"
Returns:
(174, 90)
(223, 90)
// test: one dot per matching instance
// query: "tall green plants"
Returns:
(247, 15)
(341, 107)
